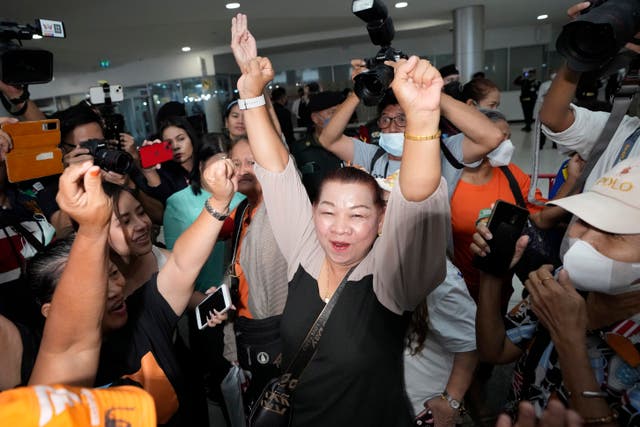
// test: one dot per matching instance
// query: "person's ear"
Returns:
(316, 119)
(381, 220)
(470, 102)
(45, 309)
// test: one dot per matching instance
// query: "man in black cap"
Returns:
(312, 159)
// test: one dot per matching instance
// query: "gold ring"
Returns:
(547, 278)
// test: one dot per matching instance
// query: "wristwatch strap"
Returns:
(245, 104)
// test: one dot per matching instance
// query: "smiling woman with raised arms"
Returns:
(355, 376)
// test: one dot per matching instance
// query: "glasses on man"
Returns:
(385, 121)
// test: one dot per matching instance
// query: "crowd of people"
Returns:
(352, 266)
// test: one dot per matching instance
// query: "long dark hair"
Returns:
(212, 144)
(418, 328)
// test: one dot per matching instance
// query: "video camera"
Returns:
(593, 40)
(371, 85)
(21, 66)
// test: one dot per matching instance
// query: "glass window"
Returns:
(495, 67)
(442, 60)
(523, 58)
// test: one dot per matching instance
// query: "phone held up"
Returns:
(220, 300)
(151, 155)
(506, 224)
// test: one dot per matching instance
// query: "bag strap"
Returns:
(513, 185)
(13, 221)
(237, 231)
(449, 156)
(310, 344)
(379, 153)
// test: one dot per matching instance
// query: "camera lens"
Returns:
(593, 39)
(370, 86)
(113, 160)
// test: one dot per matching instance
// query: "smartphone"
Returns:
(97, 94)
(506, 224)
(36, 151)
(220, 301)
(151, 155)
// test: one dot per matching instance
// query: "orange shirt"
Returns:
(467, 201)
(243, 285)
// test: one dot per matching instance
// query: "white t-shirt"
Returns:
(452, 320)
(582, 135)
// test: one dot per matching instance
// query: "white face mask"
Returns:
(591, 271)
(501, 155)
(392, 143)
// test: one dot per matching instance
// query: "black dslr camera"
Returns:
(371, 85)
(21, 66)
(593, 40)
(108, 159)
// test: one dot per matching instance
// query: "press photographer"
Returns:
(479, 136)
(577, 129)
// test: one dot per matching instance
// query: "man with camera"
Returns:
(577, 129)
(529, 86)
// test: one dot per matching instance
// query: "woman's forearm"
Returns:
(464, 364)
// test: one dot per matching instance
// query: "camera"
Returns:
(371, 85)
(104, 97)
(20, 66)
(108, 159)
(593, 40)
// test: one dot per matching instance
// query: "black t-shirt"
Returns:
(314, 162)
(284, 118)
(356, 376)
(143, 351)
(173, 178)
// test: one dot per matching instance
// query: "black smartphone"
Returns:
(506, 224)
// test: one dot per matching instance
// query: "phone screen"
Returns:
(215, 301)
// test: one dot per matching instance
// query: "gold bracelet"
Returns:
(422, 138)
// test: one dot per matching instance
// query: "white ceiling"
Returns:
(126, 31)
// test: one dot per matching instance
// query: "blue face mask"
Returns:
(392, 143)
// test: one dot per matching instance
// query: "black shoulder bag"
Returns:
(273, 407)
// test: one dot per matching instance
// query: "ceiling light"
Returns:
(186, 48)
(542, 17)
(36, 37)
(402, 4)
(232, 5)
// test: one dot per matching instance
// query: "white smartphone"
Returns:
(97, 95)
(220, 301)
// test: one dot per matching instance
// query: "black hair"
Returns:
(74, 116)
(314, 87)
(477, 89)
(212, 144)
(227, 109)
(45, 269)
(278, 93)
(170, 109)
(351, 175)
(388, 99)
(493, 115)
(183, 123)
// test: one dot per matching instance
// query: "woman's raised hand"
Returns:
(255, 76)
(221, 180)
(417, 85)
(243, 44)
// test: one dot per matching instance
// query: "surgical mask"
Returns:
(591, 271)
(501, 155)
(392, 143)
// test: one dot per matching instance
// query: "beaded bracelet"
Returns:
(601, 420)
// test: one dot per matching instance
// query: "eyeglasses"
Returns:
(385, 121)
